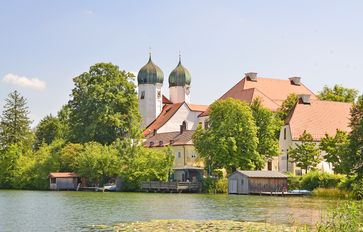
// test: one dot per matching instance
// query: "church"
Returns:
(171, 121)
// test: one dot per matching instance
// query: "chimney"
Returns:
(295, 80)
(182, 129)
(251, 76)
(304, 99)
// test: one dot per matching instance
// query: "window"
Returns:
(179, 154)
(159, 94)
(269, 165)
(194, 155)
(285, 133)
(142, 96)
(52, 180)
(242, 181)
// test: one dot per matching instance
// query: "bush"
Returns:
(294, 182)
(214, 185)
(357, 189)
(313, 180)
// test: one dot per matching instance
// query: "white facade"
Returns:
(183, 114)
(287, 143)
(179, 94)
(150, 102)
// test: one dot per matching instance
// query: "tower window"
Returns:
(159, 94)
(285, 133)
(142, 96)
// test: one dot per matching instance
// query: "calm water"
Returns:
(76, 211)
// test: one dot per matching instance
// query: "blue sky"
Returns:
(54, 41)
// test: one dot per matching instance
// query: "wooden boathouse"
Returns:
(63, 181)
(257, 182)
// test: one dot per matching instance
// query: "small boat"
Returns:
(109, 188)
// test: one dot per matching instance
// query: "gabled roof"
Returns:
(319, 118)
(200, 108)
(167, 112)
(176, 137)
(63, 175)
(271, 92)
(166, 100)
(262, 174)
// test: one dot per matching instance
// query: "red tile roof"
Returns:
(63, 175)
(200, 108)
(167, 112)
(166, 100)
(272, 92)
(319, 118)
(178, 138)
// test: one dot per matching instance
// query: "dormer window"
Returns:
(161, 143)
(142, 96)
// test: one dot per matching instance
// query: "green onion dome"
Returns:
(150, 74)
(180, 76)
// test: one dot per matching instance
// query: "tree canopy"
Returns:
(103, 105)
(230, 141)
(338, 93)
(14, 121)
(306, 154)
(49, 129)
(287, 105)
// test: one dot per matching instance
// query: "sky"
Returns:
(45, 44)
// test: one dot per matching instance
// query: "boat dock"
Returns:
(173, 187)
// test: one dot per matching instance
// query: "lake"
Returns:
(77, 211)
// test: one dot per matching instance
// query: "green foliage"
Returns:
(215, 185)
(338, 93)
(287, 105)
(268, 126)
(98, 163)
(104, 106)
(336, 149)
(230, 141)
(68, 157)
(8, 158)
(357, 189)
(14, 122)
(331, 193)
(313, 180)
(146, 165)
(345, 217)
(306, 154)
(294, 182)
(49, 129)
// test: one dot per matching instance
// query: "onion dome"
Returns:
(180, 76)
(150, 74)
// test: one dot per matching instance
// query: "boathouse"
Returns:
(63, 180)
(256, 182)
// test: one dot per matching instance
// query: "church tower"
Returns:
(150, 81)
(179, 84)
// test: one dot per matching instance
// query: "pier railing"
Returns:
(160, 186)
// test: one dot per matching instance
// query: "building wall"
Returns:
(150, 107)
(64, 183)
(288, 144)
(240, 180)
(179, 94)
(185, 155)
(183, 114)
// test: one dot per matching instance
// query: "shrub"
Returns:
(357, 189)
(316, 179)
(214, 185)
(293, 181)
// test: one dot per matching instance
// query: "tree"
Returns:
(104, 105)
(15, 123)
(356, 113)
(230, 141)
(268, 126)
(8, 158)
(98, 163)
(287, 105)
(49, 129)
(338, 93)
(306, 154)
(69, 155)
(336, 148)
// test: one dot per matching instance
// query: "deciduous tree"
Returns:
(338, 93)
(287, 105)
(230, 141)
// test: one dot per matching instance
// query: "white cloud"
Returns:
(33, 83)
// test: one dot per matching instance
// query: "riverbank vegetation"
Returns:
(97, 135)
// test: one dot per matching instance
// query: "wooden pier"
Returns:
(176, 187)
